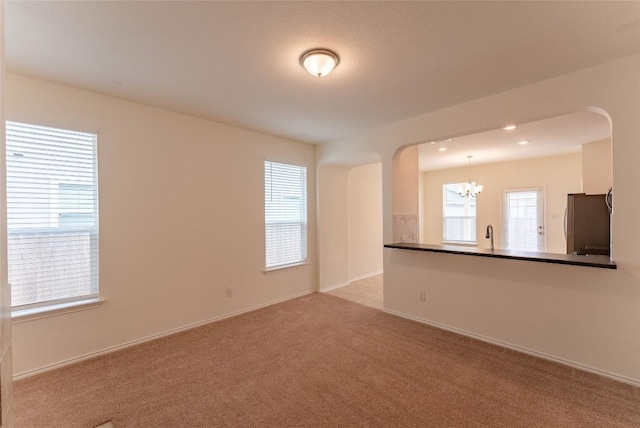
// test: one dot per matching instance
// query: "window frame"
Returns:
(467, 207)
(541, 207)
(51, 167)
(303, 225)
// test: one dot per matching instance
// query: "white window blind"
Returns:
(458, 216)
(285, 203)
(52, 215)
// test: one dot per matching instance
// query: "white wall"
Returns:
(333, 227)
(6, 352)
(596, 167)
(364, 187)
(406, 200)
(558, 175)
(583, 316)
(349, 223)
(181, 219)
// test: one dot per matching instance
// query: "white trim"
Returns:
(540, 188)
(461, 243)
(344, 284)
(366, 275)
(24, 315)
(276, 159)
(128, 344)
(285, 267)
(334, 287)
(579, 366)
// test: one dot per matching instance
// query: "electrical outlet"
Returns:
(229, 292)
(423, 296)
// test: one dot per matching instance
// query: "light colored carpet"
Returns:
(321, 361)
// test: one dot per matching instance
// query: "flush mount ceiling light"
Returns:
(319, 62)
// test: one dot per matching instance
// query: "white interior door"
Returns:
(524, 228)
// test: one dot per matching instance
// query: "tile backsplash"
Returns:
(405, 228)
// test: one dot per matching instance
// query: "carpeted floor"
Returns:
(320, 361)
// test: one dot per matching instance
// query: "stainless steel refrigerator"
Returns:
(588, 224)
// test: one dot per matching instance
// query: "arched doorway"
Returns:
(350, 232)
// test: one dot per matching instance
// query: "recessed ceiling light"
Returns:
(509, 127)
(319, 62)
(442, 149)
(523, 142)
(447, 140)
(432, 142)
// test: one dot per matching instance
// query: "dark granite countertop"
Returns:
(565, 259)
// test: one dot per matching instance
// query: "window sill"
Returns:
(286, 267)
(25, 315)
(461, 243)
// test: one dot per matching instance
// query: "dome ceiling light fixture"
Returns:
(319, 62)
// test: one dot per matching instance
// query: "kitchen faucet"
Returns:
(489, 234)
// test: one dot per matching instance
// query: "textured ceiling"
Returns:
(549, 137)
(237, 62)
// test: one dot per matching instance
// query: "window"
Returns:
(524, 220)
(285, 212)
(459, 216)
(52, 215)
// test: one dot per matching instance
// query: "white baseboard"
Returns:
(579, 366)
(343, 284)
(365, 276)
(333, 287)
(110, 349)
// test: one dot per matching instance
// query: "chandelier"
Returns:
(471, 189)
